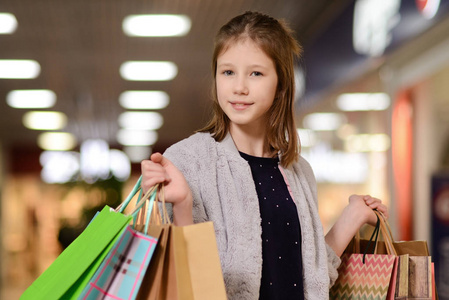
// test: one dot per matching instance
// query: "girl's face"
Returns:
(246, 83)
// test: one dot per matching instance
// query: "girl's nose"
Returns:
(241, 86)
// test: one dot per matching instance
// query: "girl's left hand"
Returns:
(365, 204)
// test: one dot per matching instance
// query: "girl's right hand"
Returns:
(176, 190)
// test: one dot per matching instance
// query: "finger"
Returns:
(156, 157)
(370, 200)
(383, 209)
(367, 197)
(374, 203)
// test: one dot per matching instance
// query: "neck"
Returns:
(250, 141)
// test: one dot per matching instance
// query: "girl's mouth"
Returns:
(240, 105)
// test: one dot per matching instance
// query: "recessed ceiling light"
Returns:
(56, 141)
(136, 137)
(144, 99)
(148, 70)
(363, 101)
(140, 120)
(45, 120)
(19, 69)
(31, 98)
(156, 25)
(324, 121)
(8, 23)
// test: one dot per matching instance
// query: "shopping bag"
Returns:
(414, 275)
(186, 265)
(197, 259)
(67, 276)
(365, 276)
(152, 287)
(414, 279)
(120, 274)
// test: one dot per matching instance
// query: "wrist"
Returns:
(182, 211)
(356, 215)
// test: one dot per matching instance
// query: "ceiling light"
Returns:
(59, 166)
(45, 120)
(128, 137)
(140, 120)
(19, 69)
(137, 153)
(324, 121)
(156, 25)
(148, 70)
(94, 160)
(31, 98)
(363, 101)
(8, 23)
(144, 99)
(57, 141)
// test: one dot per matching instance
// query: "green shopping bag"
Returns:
(66, 277)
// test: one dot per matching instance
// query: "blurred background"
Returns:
(90, 88)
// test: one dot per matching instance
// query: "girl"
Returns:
(243, 171)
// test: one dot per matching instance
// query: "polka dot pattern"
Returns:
(281, 233)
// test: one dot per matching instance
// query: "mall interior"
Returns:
(372, 111)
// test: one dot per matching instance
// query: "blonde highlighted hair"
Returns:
(276, 39)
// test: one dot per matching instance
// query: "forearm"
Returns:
(344, 229)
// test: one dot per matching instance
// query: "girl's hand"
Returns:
(176, 190)
(358, 212)
(364, 205)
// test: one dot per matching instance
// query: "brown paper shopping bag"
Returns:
(201, 255)
(186, 264)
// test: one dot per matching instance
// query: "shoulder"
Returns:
(197, 151)
(302, 168)
(193, 145)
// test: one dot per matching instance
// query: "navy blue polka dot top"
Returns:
(282, 276)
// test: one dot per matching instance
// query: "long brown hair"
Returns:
(276, 39)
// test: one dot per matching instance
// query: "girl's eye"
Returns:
(255, 73)
(228, 72)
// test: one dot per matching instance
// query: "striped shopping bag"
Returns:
(367, 276)
(363, 280)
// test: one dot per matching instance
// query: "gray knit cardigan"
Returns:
(224, 192)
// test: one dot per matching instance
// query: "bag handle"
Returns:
(386, 233)
(374, 234)
(163, 207)
(153, 211)
(131, 195)
(383, 227)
